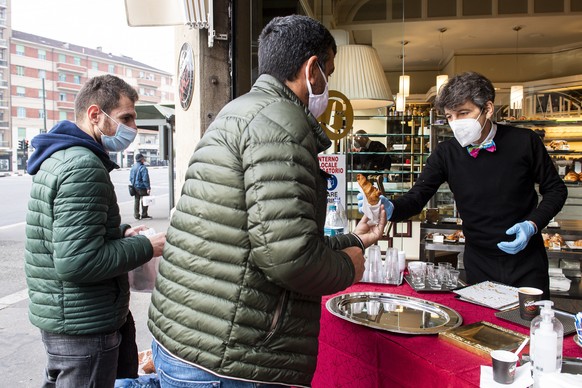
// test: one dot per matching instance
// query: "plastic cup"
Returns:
(504, 366)
(527, 297)
(453, 278)
(432, 276)
(417, 270)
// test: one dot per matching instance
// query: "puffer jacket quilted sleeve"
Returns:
(246, 263)
(76, 260)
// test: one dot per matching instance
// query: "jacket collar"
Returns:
(266, 81)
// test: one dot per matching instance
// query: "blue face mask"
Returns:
(123, 137)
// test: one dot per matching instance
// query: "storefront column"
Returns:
(211, 87)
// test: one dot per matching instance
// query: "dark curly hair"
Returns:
(469, 86)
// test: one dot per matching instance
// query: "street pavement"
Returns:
(22, 356)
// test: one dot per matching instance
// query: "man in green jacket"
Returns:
(77, 252)
(238, 295)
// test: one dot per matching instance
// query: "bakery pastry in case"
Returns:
(571, 177)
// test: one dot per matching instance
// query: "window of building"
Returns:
(41, 113)
(62, 77)
(21, 132)
(77, 61)
(21, 112)
(42, 54)
(62, 115)
(128, 72)
(62, 96)
(111, 68)
(77, 79)
(19, 49)
(42, 74)
(20, 70)
(62, 58)
(20, 91)
(41, 94)
(94, 65)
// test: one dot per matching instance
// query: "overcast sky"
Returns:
(96, 23)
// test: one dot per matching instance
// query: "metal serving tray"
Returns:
(394, 313)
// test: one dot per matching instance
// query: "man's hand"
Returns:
(134, 231)
(523, 232)
(371, 234)
(357, 257)
(158, 241)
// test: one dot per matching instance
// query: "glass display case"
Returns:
(563, 140)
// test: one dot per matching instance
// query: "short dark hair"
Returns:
(139, 157)
(105, 91)
(287, 42)
(468, 86)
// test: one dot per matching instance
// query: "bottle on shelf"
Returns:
(547, 337)
(333, 222)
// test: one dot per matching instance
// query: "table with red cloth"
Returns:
(352, 356)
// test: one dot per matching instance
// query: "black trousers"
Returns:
(528, 268)
(137, 203)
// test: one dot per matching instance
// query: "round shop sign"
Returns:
(186, 75)
(338, 119)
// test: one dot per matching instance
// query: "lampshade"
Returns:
(516, 96)
(400, 102)
(359, 75)
(404, 85)
(440, 81)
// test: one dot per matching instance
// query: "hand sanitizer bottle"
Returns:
(547, 337)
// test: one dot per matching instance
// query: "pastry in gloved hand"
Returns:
(371, 192)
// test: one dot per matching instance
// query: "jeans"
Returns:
(80, 360)
(174, 373)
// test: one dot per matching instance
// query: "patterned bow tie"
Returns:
(488, 146)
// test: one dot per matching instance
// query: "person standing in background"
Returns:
(237, 299)
(374, 156)
(494, 172)
(77, 252)
(140, 180)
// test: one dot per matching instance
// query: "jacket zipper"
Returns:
(277, 318)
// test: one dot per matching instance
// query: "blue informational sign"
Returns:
(335, 165)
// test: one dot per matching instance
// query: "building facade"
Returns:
(45, 76)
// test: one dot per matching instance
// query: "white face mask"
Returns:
(317, 102)
(467, 131)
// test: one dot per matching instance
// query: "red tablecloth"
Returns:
(353, 356)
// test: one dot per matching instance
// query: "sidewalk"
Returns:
(22, 354)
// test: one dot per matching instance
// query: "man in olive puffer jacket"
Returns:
(77, 253)
(238, 295)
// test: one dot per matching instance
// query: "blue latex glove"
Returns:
(523, 232)
(388, 206)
